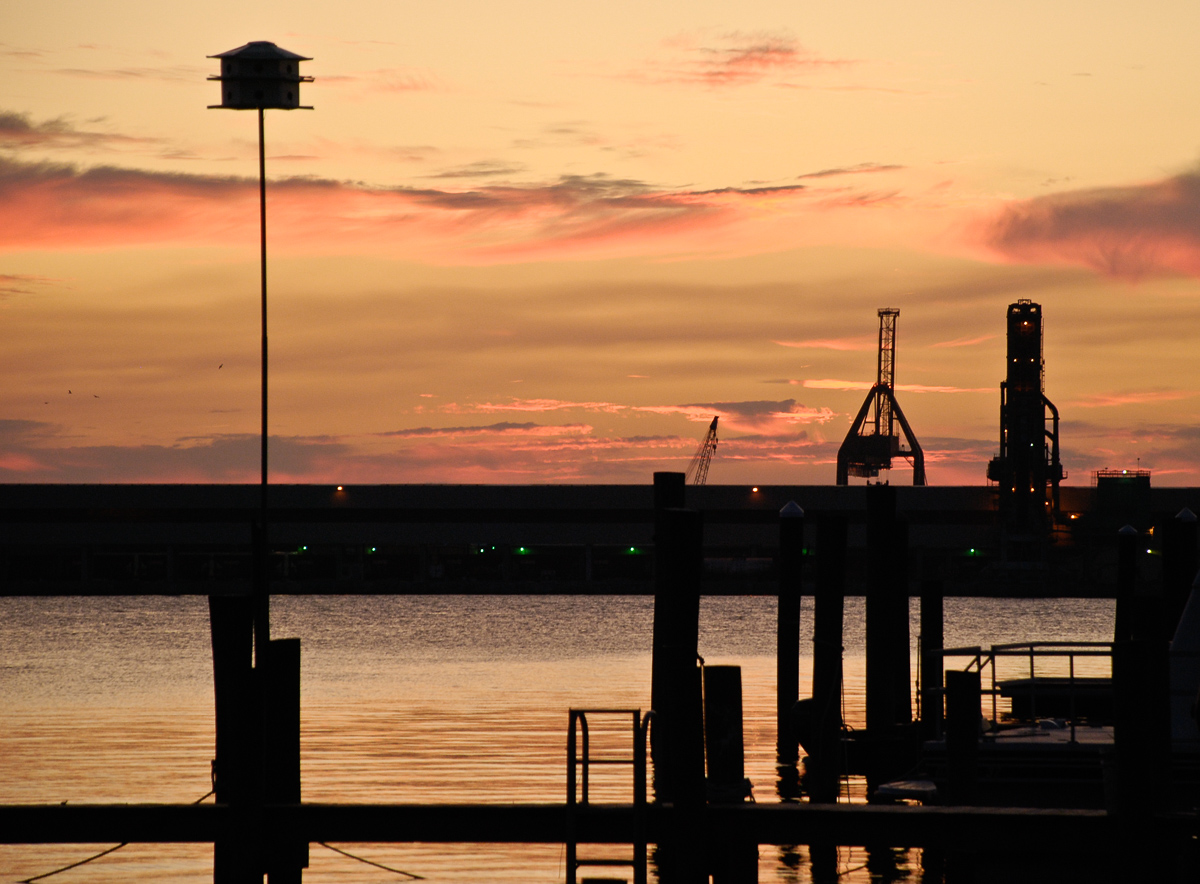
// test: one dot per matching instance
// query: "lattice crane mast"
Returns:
(697, 470)
(872, 443)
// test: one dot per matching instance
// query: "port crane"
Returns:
(871, 444)
(697, 470)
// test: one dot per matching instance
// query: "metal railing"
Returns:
(579, 764)
(1033, 652)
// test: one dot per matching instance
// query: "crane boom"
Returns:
(698, 469)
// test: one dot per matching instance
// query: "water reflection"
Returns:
(405, 699)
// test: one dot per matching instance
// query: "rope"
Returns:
(96, 856)
(74, 865)
(408, 875)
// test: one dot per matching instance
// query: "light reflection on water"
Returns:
(405, 699)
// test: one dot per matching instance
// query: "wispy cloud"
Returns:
(501, 429)
(176, 74)
(51, 206)
(858, 169)
(963, 342)
(733, 59)
(751, 416)
(383, 80)
(19, 131)
(45, 205)
(1133, 397)
(861, 342)
(1127, 232)
(22, 284)
(531, 406)
(480, 169)
(835, 384)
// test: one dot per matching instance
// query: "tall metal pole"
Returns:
(262, 627)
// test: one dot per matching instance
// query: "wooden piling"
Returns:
(898, 626)
(1142, 753)
(1180, 564)
(932, 638)
(787, 647)
(668, 494)
(725, 754)
(730, 860)
(822, 767)
(1127, 546)
(962, 735)
(238, 768)
(285, 857)
(678, 730)
(678, 717)
(881, 519)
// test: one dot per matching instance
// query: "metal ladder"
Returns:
(578, 780)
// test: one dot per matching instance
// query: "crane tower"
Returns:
(698, 469)
(872, 443)
(1027, 469)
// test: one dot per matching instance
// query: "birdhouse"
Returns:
(260, 75)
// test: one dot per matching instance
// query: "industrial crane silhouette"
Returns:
(871, 444)
(698, 469)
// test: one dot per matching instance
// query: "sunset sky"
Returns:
(532, 242)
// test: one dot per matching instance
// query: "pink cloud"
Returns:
(47, 206)
(530, 405)
(752, 416)
(735, 59)
(835, 384)
(1127, 232)
(54, 206)
(501, 429)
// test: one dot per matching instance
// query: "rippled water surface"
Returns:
(404, 699)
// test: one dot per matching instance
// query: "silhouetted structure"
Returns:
(1027, 469)
(871, 444)
(697, 470)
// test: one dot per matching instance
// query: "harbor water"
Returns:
(405, 699)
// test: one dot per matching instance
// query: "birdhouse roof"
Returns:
(262, 49)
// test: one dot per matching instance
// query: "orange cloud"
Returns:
(1140, 397)
(1128, 232)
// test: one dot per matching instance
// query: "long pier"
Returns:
(960, 828)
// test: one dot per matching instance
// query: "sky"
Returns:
(535, 242)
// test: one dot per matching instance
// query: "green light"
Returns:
(370, 549)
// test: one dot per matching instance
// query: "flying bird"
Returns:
(222, 365)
